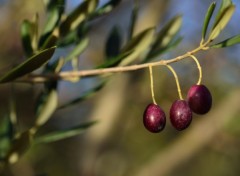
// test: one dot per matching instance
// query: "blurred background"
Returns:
(119, 145)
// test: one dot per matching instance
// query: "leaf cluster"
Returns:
(62, 30)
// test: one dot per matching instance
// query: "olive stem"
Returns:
(199, 68)
(40, 78)
(151, 84)
(177, 81)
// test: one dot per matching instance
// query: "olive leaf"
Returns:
(74, 19)
(63, 134)
(228, 42)
(165, 37)
(47, 107)
(114, 61)
(207, 19)
(55, 9)
(113, 43)
(225, 4)
(29, 35)
(78, 49)
(138, 45)
(222, 22)
(50, 41)
(53, 18)
(107, 7)
(133, 20)
(19, 146)
(29, 65)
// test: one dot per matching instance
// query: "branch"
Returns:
(67, 75)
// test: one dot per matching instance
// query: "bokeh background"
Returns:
(119, 145)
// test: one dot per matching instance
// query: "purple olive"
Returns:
(199, 99)
(180, 115)
(154, 118)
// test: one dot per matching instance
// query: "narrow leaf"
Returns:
(114, 61)
(78, 49)
(172, 44)
(50, 42)
(167, 33)
(113, 43)
(26, 34)
(47, 108)
(138, 46)
(207, 19)
(228, 42)
(133, 20)
(225, 4)
(52, 20)
(222, 22)
(75, 18)
(29, 65)
(19, 146)
(63, 134)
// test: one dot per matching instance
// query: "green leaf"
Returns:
(20, 145)
(113, 43)
(225, 4)
(166, 38)
(114, 61)
(53, 18)
(172, 44)
(29, 35)
(29, 65)
(222, 22)
(228, 42)
(53, 4)
(74, 19)
(70, 38)
(26, 34)
(50, 42)
(207, 19)
(47, 108)
(134, 15)
(138, 46)
(107, 7)
(78, 49)
(84, 96)
(63, 134)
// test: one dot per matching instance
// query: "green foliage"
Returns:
(166, 38)
(63, 134)
(74, 19)
(62, 30)
(29, 35)
(228, 42)
(47, 108)
(138, 45)
(29, 65)
(207, 19)
(79, 48)
(113, 44)
(222, 21)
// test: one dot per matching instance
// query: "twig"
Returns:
(39, 78)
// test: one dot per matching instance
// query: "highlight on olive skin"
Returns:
(154, 118)
(199, 99)
(180, 115)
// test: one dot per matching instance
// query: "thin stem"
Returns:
(177, 81)
(199, 69)
(39, 78)
(152, 86)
